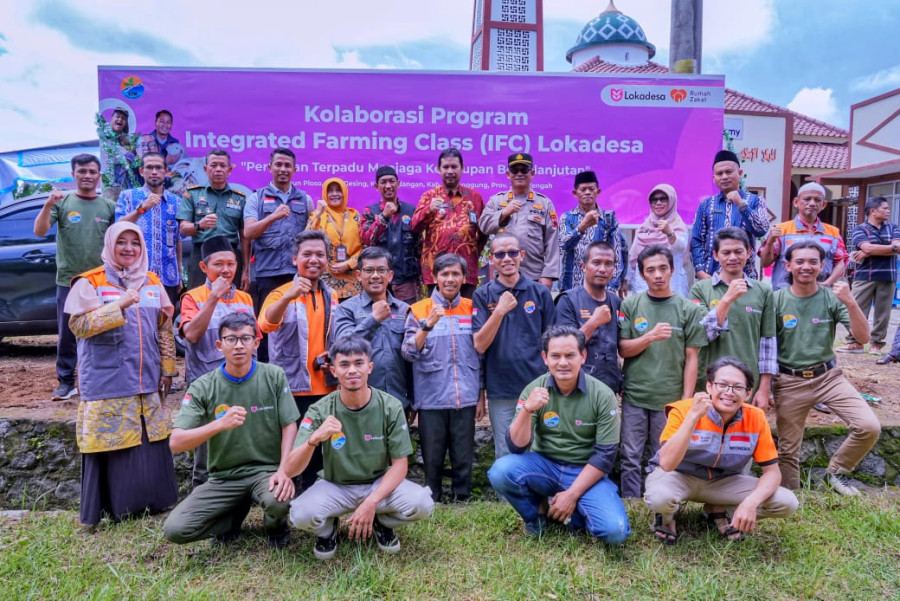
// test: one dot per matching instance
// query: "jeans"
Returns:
(526, 479)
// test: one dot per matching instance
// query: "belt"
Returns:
(809, 372)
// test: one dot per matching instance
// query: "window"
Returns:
(891, 191)
(17, 228)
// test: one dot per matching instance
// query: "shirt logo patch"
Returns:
(620, 316)
(551, 419)
(538, 207)
(819, 320)
(406, 219)
(714, 302)
(696, 301)
(186, 400)
(74, 216)
(306, 423)
(370, 437)
(585, 314)
(640, 324)
(338, 440)
(789, 321)
(221, 410)
(529, 307)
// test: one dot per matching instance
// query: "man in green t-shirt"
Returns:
(659, 337)
(246, 412)
(740, 318)
(571, 422)
(82, 219)
(806, 316)
(365, 459)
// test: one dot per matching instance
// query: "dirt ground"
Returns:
(28, 376)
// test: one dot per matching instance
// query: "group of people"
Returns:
(304, 324)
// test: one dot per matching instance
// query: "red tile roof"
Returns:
(803, 125)
(597, 65)
(734, 100)
(815, 155)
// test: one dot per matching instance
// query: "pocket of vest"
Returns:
(106, 348)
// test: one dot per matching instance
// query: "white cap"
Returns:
(812, 186)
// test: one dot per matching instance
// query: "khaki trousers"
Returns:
(795, 396)
(666, 491)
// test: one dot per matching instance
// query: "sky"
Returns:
(816, 57)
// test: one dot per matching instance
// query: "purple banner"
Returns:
(634, 132)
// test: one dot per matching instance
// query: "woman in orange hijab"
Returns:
(341, 224)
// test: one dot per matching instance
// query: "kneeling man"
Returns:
(246, 412)
(571, 422)
(365, 454)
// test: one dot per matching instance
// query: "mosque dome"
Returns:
(613, 29)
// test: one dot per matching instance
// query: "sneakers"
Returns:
(537, 527)
(326, 546)
(854, 348)
(841, 484)
(64, 392)
(279, 538)
(876, 349)
(822, 408)
(385, 538)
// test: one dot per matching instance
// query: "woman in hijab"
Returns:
(663, 226)
(122, 318)
(341, 225)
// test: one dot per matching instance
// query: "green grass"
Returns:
(834, 548)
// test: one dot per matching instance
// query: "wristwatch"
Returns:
(895, 248)
(141, 210)
(424, 325)
(197, 225)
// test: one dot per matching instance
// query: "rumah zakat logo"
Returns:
(616, 94)
(678, 94)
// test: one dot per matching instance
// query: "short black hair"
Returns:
(236, 321)
(561, 331)
(217, 152)
(448, 260)
(285, 151)
(306, 236)
(449, 153)
(874, 202)
(731, 233)
(801, 245)
(373, 253)
(162, 112)
(84, 159)
(734, 362)
(652, 251)
(599, 244)
(506, 234)
(151, 155)
(350, 345)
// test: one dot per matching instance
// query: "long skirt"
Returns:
(128, 482)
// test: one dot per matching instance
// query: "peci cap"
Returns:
(384, 170)
(726, 155)
(213, 245)
(586, 177)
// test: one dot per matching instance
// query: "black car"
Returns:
(28, 270)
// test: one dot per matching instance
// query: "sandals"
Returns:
(663, 535)
(729, 532)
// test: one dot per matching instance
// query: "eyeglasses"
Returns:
(723, 387)
(233, 340)
(659, 200)
(372, 270)
(519, 169)
(502, 254)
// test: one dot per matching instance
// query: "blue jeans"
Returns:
(525, 479)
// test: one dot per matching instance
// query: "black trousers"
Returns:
(442, 430)
(259, 290)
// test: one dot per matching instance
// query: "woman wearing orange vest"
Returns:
(122, 319)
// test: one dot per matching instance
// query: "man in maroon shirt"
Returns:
(447, 217)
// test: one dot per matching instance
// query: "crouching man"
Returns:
(365, 454)
(571, 422)
(246, 412)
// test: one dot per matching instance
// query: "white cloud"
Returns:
(818, 103)
(48, 74)
(878, 81)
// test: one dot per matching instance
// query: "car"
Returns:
(28, 271)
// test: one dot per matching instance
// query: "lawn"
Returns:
(834, 548)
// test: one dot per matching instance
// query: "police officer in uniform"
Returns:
(530, 216)
(215, 210)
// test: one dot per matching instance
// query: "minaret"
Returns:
(507, 35)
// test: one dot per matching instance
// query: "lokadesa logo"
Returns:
(678, 94)
(657, 95)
